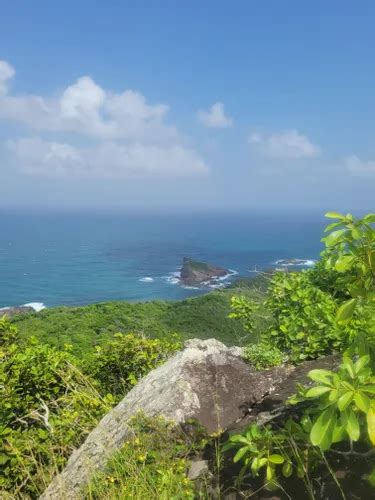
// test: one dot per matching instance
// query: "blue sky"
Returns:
(161, 104)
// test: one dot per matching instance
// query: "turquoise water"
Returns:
(84, 258)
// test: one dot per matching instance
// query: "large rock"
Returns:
(9, 312)
(207, 381)
(196, 273)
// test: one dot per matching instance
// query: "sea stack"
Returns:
(197, 273)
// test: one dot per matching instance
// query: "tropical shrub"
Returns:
(119, 364)
(325, 277)
(263, 355)
(304, 317)
(341, 403)
(305, 325)
(47, 408)
(273, 453)
(153, 464)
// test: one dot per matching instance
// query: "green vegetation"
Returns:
(47, 409)
(62, 369)
(263, 355)
(118, 365)
(48, 405)
(86, 327)
(339, 408)
(153, 465)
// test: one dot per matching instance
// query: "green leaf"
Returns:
(333, 238)
(372, 260)
(370, 417)
(349, 367)
(238, 438)
(317, 391)
(321, 432)
(346, 310)
(369, 218)
(369, 388)
(338, 434)
(255, 466)
(344, 263)
(352, 426)
(362, 401)
(240, 453)
(269, 473)
(332, 226)
(4, 459)
(361, 363)
(322, 376)
(276, 459)
(333, 395)
(287, 469)
(356, 234)
(334, 215)
(345, 400)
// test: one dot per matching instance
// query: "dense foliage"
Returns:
(263, 355)
(314, 315)
(118, 365)
(47, 408)
(86, 327)
(48, 405)
(153, 465)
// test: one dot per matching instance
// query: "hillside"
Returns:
(84, 327)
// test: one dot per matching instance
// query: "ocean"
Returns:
(73, 259)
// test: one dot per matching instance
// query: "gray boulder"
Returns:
(198, 469)
(207, 381)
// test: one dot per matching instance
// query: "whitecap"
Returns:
(146, 279)
(295, 262)
(37, 306)
(172, 278)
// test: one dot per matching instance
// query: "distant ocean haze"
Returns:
(73, 259)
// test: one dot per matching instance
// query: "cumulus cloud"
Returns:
(289, 144)
(87, 109)
(6, 74)
(359, 167)
(108, 159)
(130, 137)
(215, 117)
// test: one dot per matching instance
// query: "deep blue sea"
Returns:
(74, 259)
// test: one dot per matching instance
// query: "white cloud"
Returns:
(87, 109)
(6, 74)
(215, 117)
(129, 137)
(106, 160)
(359, 167)
(289, 144)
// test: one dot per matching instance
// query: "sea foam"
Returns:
(295, 262)
(37, 306)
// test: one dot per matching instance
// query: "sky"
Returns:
(187, 105)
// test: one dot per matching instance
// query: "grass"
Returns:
(154, 464)
(85, 327)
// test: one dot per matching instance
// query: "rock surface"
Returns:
(12, 311)
(196, 273)
(198, 469)
(207, 381)
(273, 406)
